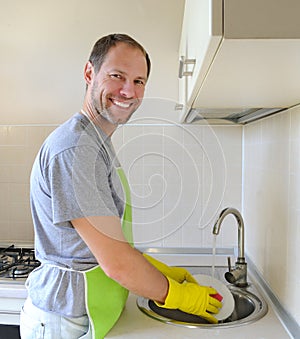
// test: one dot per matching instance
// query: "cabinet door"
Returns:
(202, 31)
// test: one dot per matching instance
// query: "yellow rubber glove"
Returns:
(176, 273)
(192, 298)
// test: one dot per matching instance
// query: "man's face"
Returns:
(118, 88)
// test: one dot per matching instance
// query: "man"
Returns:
(82, 214)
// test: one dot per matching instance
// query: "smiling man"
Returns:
(81, 211)
(117, 89)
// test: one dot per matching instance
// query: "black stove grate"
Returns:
(17, 262)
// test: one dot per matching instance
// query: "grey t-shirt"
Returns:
(73, 176)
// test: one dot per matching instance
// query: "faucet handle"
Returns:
(229, 264)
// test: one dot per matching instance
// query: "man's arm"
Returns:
(130, 269)
(103, 235)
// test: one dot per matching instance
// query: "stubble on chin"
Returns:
(105, 112)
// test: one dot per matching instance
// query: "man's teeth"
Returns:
(121, 104)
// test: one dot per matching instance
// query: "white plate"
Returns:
(228, 300)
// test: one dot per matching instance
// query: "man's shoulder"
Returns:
(72, 133)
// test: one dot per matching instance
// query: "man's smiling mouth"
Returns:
(121, 104)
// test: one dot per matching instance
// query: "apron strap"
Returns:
(127, 215)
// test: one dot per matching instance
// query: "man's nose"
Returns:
(128, 89)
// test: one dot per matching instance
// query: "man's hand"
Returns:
(176, 273)
(192, 298)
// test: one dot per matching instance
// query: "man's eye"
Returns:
(114, 75)
(140, 82)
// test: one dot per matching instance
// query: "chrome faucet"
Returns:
(238, 274)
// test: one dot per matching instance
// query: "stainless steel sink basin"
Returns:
(249, 307)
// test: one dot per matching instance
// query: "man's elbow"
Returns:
(116, 271)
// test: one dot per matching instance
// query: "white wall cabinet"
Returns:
(199, 41)
(242, 58)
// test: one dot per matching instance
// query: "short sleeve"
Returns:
(79, 184)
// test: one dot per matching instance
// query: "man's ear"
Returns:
(88, 72)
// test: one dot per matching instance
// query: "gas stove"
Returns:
(16, 263)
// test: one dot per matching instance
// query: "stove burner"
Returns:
(19, 271)
(5, 259)
(16, 263)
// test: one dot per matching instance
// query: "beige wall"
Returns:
(45, 44)
(271, 203)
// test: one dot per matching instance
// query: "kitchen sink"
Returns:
(249, 307)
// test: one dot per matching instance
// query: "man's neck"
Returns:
(107, 127)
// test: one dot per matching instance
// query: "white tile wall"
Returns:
(181, 177)
(271, 203)
(18, 147)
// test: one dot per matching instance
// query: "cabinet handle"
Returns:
(183, 62)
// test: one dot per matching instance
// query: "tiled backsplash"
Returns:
(18, 147)
(180, 176)
(271, 203)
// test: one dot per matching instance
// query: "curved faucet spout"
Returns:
(240, 222)
(237, 275)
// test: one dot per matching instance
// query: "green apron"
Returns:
(105, 298)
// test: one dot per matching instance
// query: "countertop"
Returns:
(135, 324)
